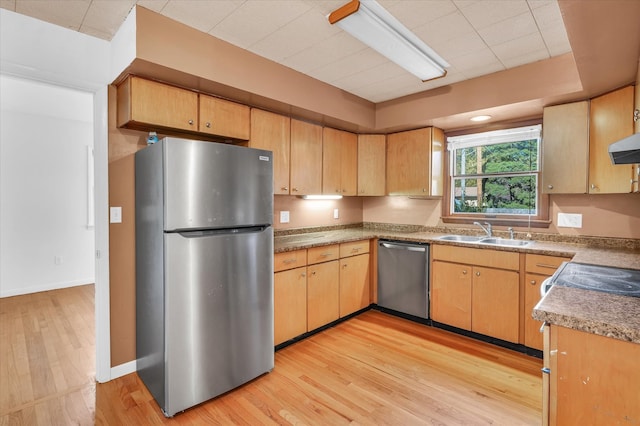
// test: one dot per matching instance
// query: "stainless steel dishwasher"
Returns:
(403, 277)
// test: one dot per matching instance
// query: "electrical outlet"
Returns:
(336, 214)
(57, 260)
(115, 214)
(569, 220)
(284, 217)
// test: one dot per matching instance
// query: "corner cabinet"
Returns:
(273, 132)
(415, 162)
(339, 162)
(477, 290)
(371, 165)
(565, 148)
(611, 119)
(354, 277)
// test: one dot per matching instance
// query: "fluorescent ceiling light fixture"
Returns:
(370, 23)
(321, 197)
(480, 118)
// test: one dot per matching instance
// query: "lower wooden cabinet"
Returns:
(593, 379)
(289, 304)
(322, 294)
(354, 284)
(317, 286)
(482, 295)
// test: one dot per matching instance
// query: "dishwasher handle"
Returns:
(403, 247)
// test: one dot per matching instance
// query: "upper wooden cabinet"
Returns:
(221, 117)
(565, 148)
(306, 158)
(146, 103)
(339, 162)
(611, 119)
(273, 132)
(415, 161)
(371, 164)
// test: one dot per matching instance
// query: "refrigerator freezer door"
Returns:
(219, 313)
(213, 185)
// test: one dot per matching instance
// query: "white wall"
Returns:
(46, 240)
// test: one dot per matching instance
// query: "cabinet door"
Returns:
(289, 304)
(354, 284)
(306, 158)
(272, 132)
(532, 335)
(322, 294)
(451, 294)
(339, 162)
(223, 118)
(371, 164)
(147, 102)
(408, 162)
(496, 303)
(611, 120)
(565, 148)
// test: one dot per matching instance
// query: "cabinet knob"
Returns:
(362, 191)
(477, 274)
(593, 186)
(344, 266)
(313, 273)
(190, 121)
(550, 186)
(285, 188)
(294, 189)
(532, 282)
(303, 275)
(208, 124)
(464, 272)
(424, 189)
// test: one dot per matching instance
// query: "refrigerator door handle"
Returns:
(211, 232)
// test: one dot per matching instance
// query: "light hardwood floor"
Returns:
(372, 369)
(47, 358)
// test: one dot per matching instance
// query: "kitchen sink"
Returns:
(504, 242)
(494, 241)
(461, 238)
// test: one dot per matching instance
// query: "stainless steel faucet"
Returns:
(511, 232)
(488, 229)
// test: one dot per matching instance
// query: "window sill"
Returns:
(498, 221)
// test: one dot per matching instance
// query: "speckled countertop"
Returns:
(590, 311)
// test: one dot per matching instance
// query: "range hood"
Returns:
(626, 151)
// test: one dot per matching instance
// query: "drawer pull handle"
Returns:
(545, 265)
(326, 254)
(355, 250)
(288, 261)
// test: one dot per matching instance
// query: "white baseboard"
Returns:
(45, 287)
(123, 369)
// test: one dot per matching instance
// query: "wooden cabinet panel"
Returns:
(354, 284)
(542, 264)
(495, 304)
(149, 103)
(451, 294)
(339, 162)
(565, 148)
(532, 335)
(408, 162)
(273, 132)
(594, 379)
(306, 158)
(289, 260)
(224, 118)
(289, 304)
(354, 248)
(611, 119)
(322, 294)
(323, 254)
(475, 256)
(371, 164)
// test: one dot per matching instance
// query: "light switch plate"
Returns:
(336, 214)
(569, 220)
(284, 217)
(115, 215)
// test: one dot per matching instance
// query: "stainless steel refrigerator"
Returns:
(204, 269)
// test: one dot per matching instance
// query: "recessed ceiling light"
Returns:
(481, 118)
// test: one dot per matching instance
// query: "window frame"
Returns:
(540, 220)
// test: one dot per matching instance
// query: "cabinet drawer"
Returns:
(475, 256)
(322, 254)
(289, 260)
(545, 265)
(354, 248)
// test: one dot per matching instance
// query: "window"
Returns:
(495, 175)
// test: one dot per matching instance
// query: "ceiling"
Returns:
(476, 37)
